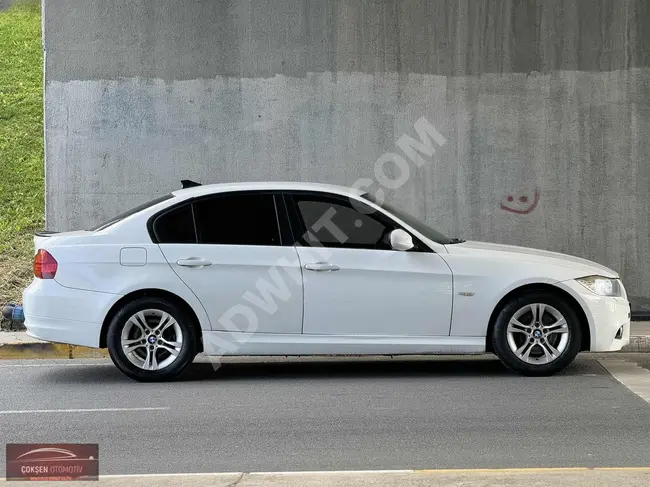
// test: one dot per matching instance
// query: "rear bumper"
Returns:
(59, 314)
(64, 331)
(609, 318)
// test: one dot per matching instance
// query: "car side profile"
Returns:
(310, 269)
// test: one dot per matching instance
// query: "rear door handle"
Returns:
(193, 262)
(322, 267)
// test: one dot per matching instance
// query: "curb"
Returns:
(47, 350)
(638, 343)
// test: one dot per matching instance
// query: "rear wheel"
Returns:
(537, 334)
(152, 339)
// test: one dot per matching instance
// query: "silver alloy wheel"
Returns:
(538, 334)
(151, 339)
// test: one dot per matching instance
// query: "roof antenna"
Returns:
(187, 183)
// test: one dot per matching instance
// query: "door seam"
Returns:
(302, 284)
(187, 286)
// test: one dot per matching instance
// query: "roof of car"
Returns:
(261, 186)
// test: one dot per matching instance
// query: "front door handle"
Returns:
(322, 267)
(193, 262)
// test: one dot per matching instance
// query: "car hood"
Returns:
(581, 266)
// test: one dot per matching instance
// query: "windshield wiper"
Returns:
(456, 240)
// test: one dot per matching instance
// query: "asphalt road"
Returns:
(330, 415)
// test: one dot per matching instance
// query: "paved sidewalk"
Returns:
(639, 337)
(641, 328)
(17, 344)
(12, 337)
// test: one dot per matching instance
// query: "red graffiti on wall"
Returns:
(522, 204)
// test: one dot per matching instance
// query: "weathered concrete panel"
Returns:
(171, 40)
(5, 4)
(579, 138)
(539, 96)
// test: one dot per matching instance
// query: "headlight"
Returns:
(603, 286)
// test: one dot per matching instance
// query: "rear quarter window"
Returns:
(175, 226)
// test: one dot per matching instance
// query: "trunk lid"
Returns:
(46, 239)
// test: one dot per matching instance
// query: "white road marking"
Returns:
(88, 410)
(631, 375)
(373, 472)
(334, 472)
(56, 365)
(154, 475)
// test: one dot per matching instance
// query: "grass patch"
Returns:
(21, 145)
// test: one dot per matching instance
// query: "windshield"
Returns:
(130, 212)
(414, 222)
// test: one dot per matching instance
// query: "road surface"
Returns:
(331, 414)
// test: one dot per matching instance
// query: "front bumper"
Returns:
(609, 318)
(59, 314)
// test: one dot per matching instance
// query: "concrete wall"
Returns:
(550, 96)
(5, 4)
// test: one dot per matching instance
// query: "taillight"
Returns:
(45, 265)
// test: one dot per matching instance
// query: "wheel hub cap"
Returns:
(152, 339)
(538, 334)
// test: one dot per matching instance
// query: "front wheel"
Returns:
(537, 334)
(151, 339)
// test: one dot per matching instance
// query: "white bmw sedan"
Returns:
(310, 269)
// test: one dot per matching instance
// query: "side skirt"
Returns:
(235, 343)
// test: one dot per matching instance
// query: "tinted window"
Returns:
(132, 211)
(175, 226)
(237, 219)
(333, 222)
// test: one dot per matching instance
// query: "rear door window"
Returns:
(237, 219)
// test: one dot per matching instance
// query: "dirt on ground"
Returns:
(16, 271)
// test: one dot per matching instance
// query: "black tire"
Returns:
(508, 356)
(188, 348)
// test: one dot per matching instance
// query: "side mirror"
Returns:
(400, 240)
